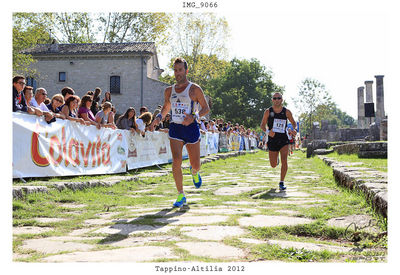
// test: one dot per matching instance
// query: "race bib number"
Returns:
(279, 125)
(179, 110)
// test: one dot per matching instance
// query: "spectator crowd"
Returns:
(90, 110)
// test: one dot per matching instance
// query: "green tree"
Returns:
(243, 92)
(28, 30)
(312, 93)
(129, 27)
(201, 72)
(316, 104)
(200, 38)
(75, 27)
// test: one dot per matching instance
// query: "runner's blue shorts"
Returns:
(188, 134)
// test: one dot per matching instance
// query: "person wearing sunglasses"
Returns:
(19, 102)
(38, 102)
(275, 117)
(55, 106)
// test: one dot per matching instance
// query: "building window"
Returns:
(115, 84)
(62, 76)
(30, 81)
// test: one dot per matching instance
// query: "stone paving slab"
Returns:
(361, 221)
(210, 219)
(129, 254)
(97, 221)
(287, 212)
(226, 211)
(141, 241)
(80, 232)
(232, 191)
(281, 194)
(212, 233)
(52, 246)
(31, 230)
(212, 249)
(129, 229)
(269, 221)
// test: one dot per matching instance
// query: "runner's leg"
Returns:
(194, 156)
(273, 158)
(284, 155)
(176, 150)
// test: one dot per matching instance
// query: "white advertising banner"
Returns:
(212, 143)
(149, 150)
(154, 148)
(65, 148)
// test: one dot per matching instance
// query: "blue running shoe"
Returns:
(180, 201)
(196, 179)
(282, 186)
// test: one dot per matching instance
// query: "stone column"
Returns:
(361, 110)
(368, 97)
(368, 91)
(380, 108)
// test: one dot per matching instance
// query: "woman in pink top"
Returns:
(85, 113)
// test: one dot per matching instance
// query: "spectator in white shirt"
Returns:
(143, 121)
(38, 101)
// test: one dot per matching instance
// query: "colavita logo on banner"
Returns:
(65, 148)
(70, 151)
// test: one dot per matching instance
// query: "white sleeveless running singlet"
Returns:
(180, 104)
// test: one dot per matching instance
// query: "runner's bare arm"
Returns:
(202, 101)
(167, 103)
(264, 120)
(291, 119)
(197, 95)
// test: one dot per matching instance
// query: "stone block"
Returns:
(372, 154)
(323, 151)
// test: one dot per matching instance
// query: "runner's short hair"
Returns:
(181, 60)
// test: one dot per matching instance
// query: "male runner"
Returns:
(276, 118)
(182, 98)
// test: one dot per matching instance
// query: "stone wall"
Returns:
(353, 134)
(364, 149)
(350, 148)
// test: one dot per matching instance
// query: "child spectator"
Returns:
(143, 120)
(142, 110)
(107, 98)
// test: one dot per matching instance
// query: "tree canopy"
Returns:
(316, 104)
(243, 92)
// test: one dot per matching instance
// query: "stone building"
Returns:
(130, 71)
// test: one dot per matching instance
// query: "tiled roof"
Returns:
(92, 48)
